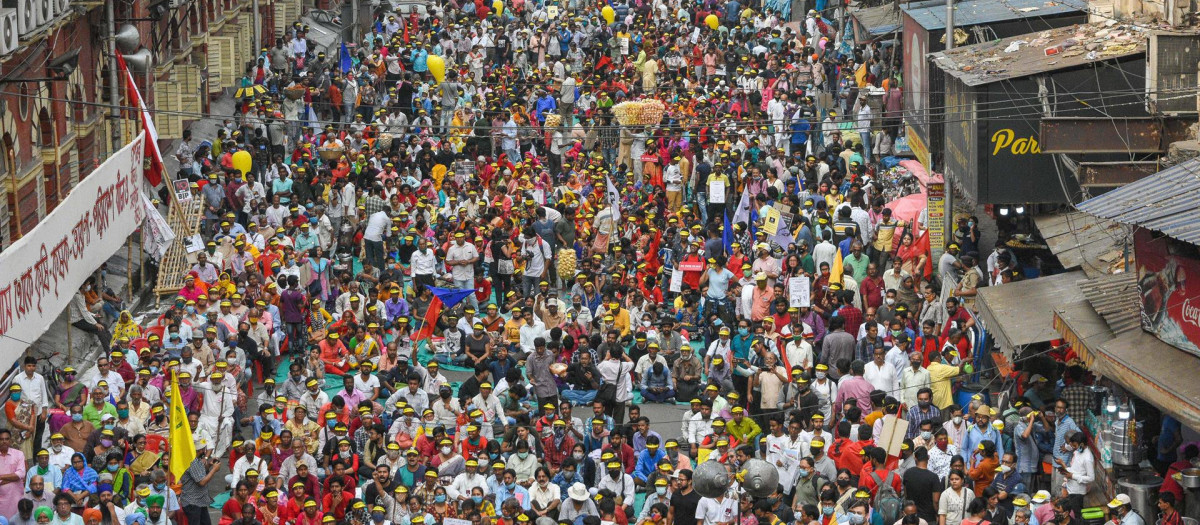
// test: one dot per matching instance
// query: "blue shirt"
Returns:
(974, 437)
(718, 283)
(647, 463)
(1065, 426)
(740, 345)
(503, 493)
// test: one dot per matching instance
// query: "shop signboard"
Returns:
(918, 147)
(935, 210)
(1170, 308)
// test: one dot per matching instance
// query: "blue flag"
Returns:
(727, 234)
(346, 63)
(451, 296)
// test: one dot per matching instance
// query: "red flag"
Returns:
(442, 298)
(154, 175)
(430, 321)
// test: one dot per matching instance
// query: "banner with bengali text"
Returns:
(42, 271)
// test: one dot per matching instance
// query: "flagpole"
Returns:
(114, 90)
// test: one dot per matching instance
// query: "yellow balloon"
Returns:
(498, 7)
(712, 21)
(437, 67)
(242, 161)
(609, 15)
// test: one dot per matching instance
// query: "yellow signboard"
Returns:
(917, 144)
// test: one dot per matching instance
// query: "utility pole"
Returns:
(949, 24)
(114, 90)
(257, 30)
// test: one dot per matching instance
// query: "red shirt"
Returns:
(959, 315)
(865, 480)
(872, 290)
(625, 455)
(338, 510)
(474, 451)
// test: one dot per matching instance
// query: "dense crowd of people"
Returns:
(734, 257)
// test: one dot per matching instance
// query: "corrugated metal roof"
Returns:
(1079, 240)
(1021, 313)
(1024, 55)
(975, 12)
(1115, 298)
(1165, 202)
(876, 21)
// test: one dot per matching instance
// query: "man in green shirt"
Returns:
(92, 412)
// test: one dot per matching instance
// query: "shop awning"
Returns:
(1155, 371)
(1104, 332)
(1021, 313)
(1083, 241)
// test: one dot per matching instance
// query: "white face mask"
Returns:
(820, 375)
(446, 450)
(890, 301)
(957, 420)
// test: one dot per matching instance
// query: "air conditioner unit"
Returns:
(1172, 73)
(45, 12)
(27, 17)
(9, 36)
(62, 6)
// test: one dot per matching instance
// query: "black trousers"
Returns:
(197, 515)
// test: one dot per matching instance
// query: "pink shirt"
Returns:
(12, 462)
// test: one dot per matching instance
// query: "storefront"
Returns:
(1019, 314)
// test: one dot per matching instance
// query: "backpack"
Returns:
(887, 503)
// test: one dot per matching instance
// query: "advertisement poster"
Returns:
(935, 206)
(1167, 273)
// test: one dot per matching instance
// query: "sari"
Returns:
(125, 327)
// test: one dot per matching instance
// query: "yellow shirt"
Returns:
(512, 330)
(940, 376)
(621, 321)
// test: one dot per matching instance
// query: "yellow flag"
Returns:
(183, 450)
(835, 270)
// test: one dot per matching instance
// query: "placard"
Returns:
(182, 193)
(771, 221)
(691, 266)
(892, 435)
(716, 191)
(676, 280)
(799, 292)
(552, 12)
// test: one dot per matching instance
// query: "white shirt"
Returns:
(881, 377)
(34, 389)
(1082, 469)
(424, 262)
(464, 483)
(377, 225)
(466, 252)
(530, 332)
(698, 427)
(622, 486)
(712, 511)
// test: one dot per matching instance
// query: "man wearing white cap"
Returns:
(1122, 511)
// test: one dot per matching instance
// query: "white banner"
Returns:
(157, 235)
(42, 271)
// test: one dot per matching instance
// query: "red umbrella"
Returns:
(908, 208)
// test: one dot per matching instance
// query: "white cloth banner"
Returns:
(157, 235)
(42, 271)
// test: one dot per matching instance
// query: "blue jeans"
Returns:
(463, 284)
(579, 397)
(866, 141)
(658, 398)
